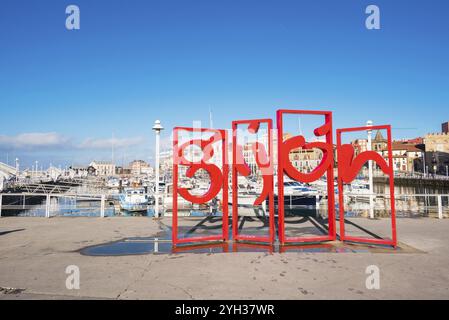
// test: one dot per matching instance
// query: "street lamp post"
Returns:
(424, 163)
(17, 168)
(369, 123)
(157, 129)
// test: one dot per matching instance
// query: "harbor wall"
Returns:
(411, 182)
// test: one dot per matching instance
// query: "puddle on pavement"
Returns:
(151, 245)
(161, 244)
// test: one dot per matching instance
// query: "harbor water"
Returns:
(410, 202)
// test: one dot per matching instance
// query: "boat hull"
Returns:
(293, 200)
(131, 207)
(297, 200)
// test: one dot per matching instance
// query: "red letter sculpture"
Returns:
(264, 162)
(348, 168)
(218, 178)
(326, 166)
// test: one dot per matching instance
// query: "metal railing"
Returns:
(437, 204)
(44, 200)
(409, 175)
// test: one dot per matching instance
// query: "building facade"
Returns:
(437, 142)
(140, 167)
(407, 157)
(103, 168)
(379, 143)
(360, 145)
(445, 127)
(437, 153)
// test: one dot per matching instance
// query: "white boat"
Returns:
(295, 194)
(113, 183)
(358, 187)
(186, 184)
(146, 183)
(321, 185)
(358, 190)
(2, 182)
(200, 188)
(134, 200)
(184, 206)
(162, 186)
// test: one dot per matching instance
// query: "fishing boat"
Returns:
(134, 200)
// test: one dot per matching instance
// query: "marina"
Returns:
(83, 200)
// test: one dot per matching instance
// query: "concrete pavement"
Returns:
(34, 254)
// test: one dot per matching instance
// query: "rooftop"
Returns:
(398, 145)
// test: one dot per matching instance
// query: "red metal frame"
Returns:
(268, 179)
(240, 246)
(351, 169)
(179, 160)
(191, 248)
(224, 246)
(327, 130)
(284, 249)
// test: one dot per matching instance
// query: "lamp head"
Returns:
(157, 126)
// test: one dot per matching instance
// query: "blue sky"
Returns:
(64, 94)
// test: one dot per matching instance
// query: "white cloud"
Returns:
(33, 140)
(51, 143)
(92, 143)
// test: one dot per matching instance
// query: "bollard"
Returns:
(161, 213)
(156, 205)
(317, 205)
(103, 199)
(156, 245)
(47, 206)
(1, 199)
(440, 208)
(371, 206)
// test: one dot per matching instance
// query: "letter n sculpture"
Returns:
(349, 167)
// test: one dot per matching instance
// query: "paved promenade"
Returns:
(34, 254)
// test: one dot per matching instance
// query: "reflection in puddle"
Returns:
(126, 247)
(140, 246)
(161, 243)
